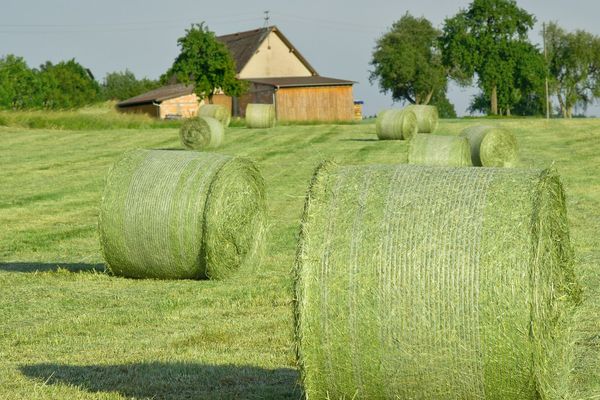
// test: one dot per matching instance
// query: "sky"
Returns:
(337, 36)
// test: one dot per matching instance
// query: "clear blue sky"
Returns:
(336, 36)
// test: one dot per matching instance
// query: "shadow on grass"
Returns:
(29, 267)
(175, 381)
(360, 140)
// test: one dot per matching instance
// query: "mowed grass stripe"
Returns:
(259, 302)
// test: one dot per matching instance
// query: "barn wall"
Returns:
(328, 103)
(185, 106)
(257, 93)
(273, 58)
(221, 99)
(150, 109)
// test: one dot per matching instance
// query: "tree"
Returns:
(18, 84)
(443, 104)
(67, 85)
(574, 67)
(521, 89)
(488, 39)
(407, 62)
(206, 63)
(124, 85)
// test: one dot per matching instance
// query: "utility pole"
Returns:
(546, 60)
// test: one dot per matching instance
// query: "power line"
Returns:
(178, 26)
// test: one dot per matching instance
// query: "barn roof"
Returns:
(243, 45)
(159, 95)
(301, 81)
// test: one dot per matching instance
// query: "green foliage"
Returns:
(54, 86)
(18, 84)
(443, 104)
(407, 61)
(574, 67)
(206, 63)
(67, 85)
(489, 40)
(123, 85)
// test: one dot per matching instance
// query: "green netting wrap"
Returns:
(181, 214)
(216, 111)
(396, 124)
(437, 150)
(415, 282)
(427, 117)
(491, 147)
(260, 115)
(201, 133)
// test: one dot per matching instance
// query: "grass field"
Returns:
(68, 330)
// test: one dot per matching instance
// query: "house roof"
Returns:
(243, 46)
(301, 81)
(159, 95)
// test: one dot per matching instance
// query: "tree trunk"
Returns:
(428, 97)
(563, 107)
(570, 112)
(508, 111)
(210, 98)
(494, 101)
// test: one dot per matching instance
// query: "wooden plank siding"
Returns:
(327, 103)
(150, 109)
(221, 99)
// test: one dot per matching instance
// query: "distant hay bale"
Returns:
(416, 282)
(427, 117)
(181, 215)
(216, 111)
(437, 150)
(201, 133)
(260, 115)
(492, 147)
(396, 124)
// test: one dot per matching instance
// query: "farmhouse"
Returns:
(175, 100)
(277, 74)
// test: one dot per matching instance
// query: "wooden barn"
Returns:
(277, 74)
(172, 100)
(177, 101)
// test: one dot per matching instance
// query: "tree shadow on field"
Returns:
(173, 381)
(30, 267)
(360, 140)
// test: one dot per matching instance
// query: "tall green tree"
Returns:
(488, 40)
(407, 62)
(574, 67)
(68, 84)
(206, 63)
(521, 89)
(19, 84)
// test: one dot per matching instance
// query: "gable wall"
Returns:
(276, 61)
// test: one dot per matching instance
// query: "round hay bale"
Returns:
(216, 111)
(260, 115)
(427, 117)
(436, 150)
(181, 215)
(491, 147)
(415, 282)
(396, 124)
(201, 133)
